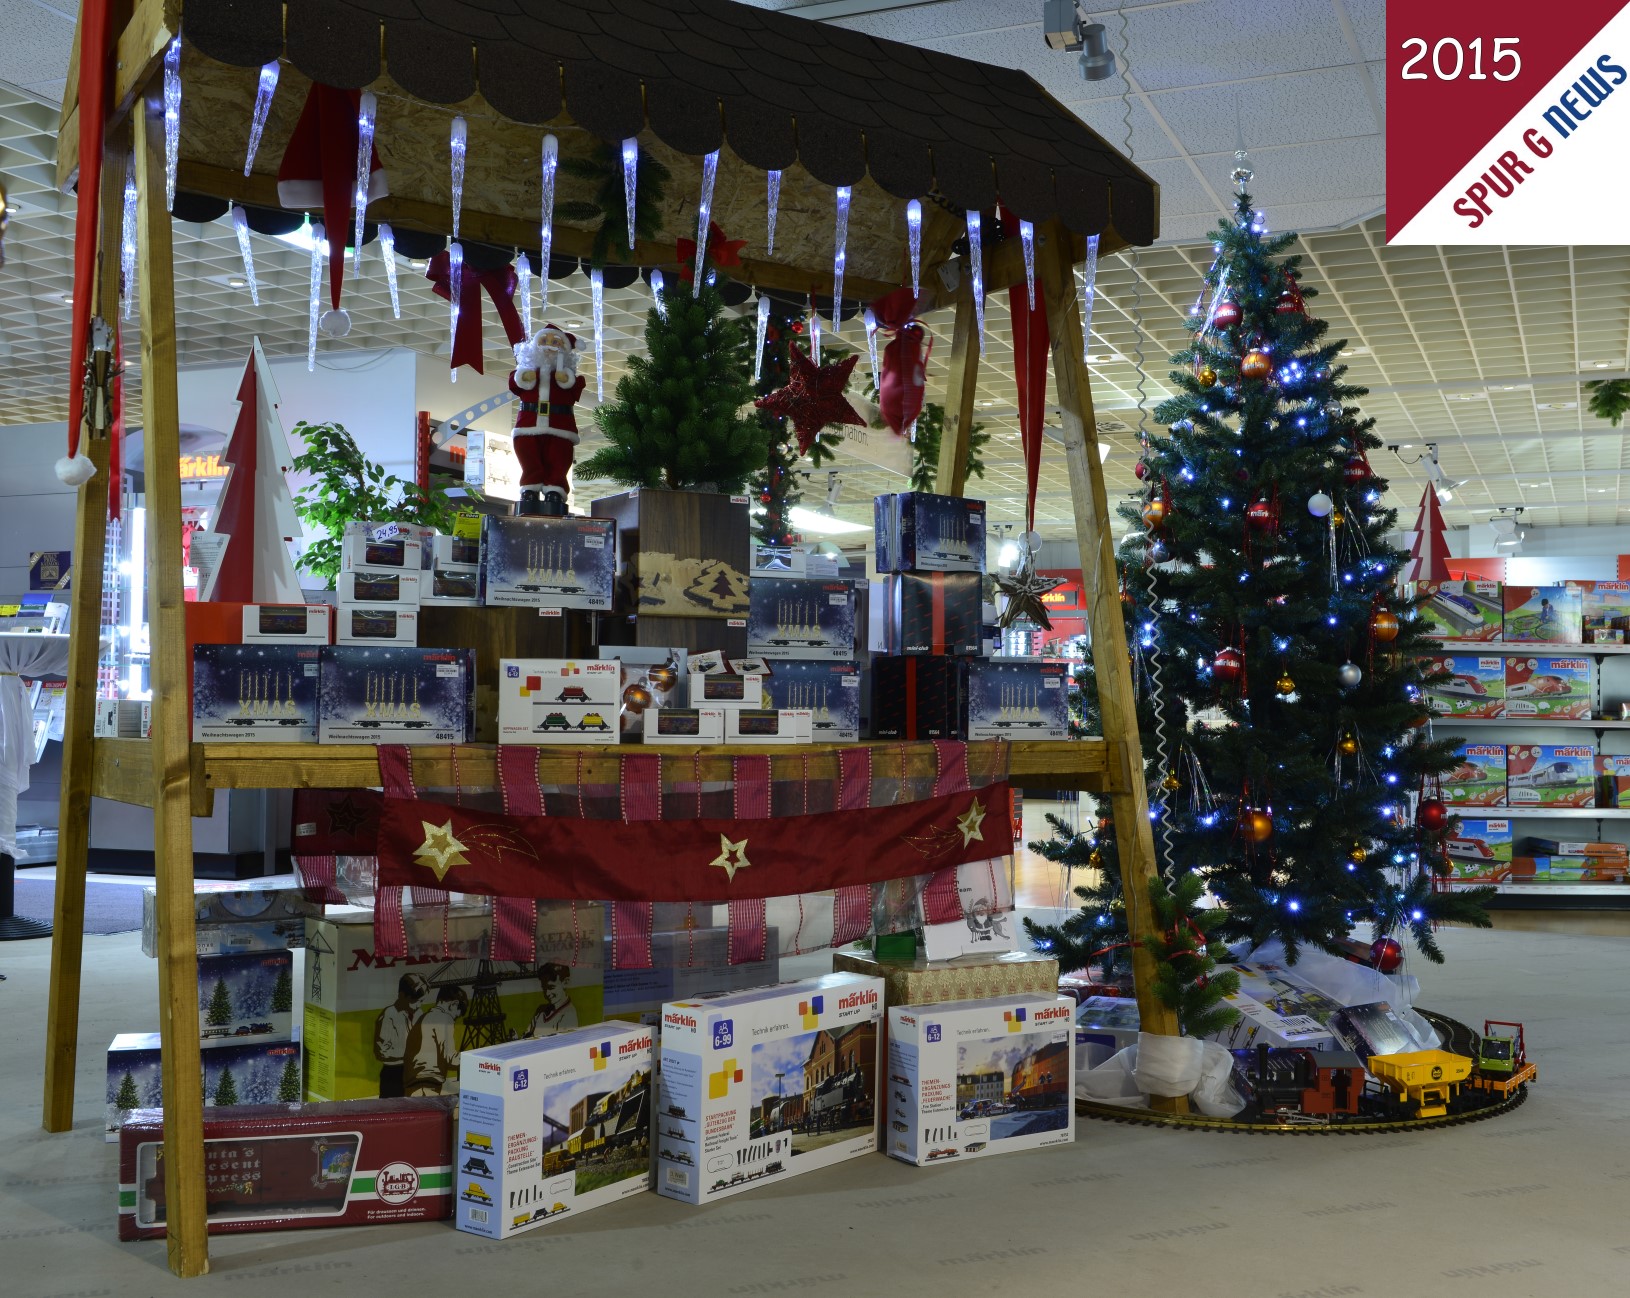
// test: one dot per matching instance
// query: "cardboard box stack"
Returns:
(380, 583)
(736, 692)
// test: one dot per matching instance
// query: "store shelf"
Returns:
(1549, 813)
(1619, 890)
(1501, 649)
(1538, 723)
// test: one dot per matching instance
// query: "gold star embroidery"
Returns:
(732, 857)
(969, 822)
(440, 851)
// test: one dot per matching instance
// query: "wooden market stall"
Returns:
(821, 105)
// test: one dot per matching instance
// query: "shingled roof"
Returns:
(781, 89)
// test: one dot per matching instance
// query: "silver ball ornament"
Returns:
(1349, 674)
(1319, 504)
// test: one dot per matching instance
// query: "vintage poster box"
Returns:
(559, 700)
(919, 532)
(393, 694)
(800, 618)
(1480, 851)
(973, 1078)
(1612, 780)
(687, 963)
(244, 998)
(266, 1072)
(1551, 775)
(552, 1127)
(683, 726)
(1460, 610)
(1553, 614)
(381, 1026)
(287, 624)
(830, 691)
(1557, 688)
(381, 624)
(1469, 686)
(259, 693)
(290, 1166)
(1479, 780)
(1018, 698)
(762, 1085)
(548, 562)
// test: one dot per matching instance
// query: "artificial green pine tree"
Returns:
(283, 993)
(1096, 934)
(127, 1096)
(288, 1085)
(608, 208)
(779, 488)
(226, 1090)
(680, 417)
(1186, 950)
(925, 450)
(220, 1005)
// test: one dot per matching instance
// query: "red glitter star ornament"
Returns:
(813, 398)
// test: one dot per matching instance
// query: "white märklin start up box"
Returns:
(971, 1078)
(552, 1127)
(766, 1084)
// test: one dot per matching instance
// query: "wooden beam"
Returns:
(172, 809)
(139, 40)
(951, 479)
(1111, 665)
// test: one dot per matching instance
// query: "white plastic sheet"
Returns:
(21, 655)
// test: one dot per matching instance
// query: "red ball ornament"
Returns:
(1226, 316)
(1140, 470)
(1433, 815)
(1242, 475)
(1356, 472)
(1384, 625)
(1260, 515)
(1386, 955)
(1256, 826)
(1228, 666)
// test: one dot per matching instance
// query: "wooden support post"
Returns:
(952, 476)
(84, 651)
(1109, 653)
(172, 725)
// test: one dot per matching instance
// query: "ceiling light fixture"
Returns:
(1508, 535)
(1441, 482)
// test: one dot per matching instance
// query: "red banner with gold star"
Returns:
(426, 844)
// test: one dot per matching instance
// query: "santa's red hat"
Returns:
(319, 170)
(571, 338)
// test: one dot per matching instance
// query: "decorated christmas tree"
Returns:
(288, 1085)
(779, 485)
(220, 1005)
(127, 1096)
(226, 1090)
(283, 993)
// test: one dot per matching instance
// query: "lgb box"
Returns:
(264, 693)
(1471, 686)
(266, 1072)
(685, 964)
(919, 532)
(397, 586)
(1460, 610)
(381, 624)
(377, 1026)
(393, 695)
(1020, 698)
(559, 700)
(552, 1127)
(287, 624)
(1558, 688)
(1551, 775)
(1277, 1010)
(1480, 851)
(548, 562)
(1553, 614)
(968, 1079)
(244, 999)
(287, 1166)
(1104, 1026)
(801, 618)
(766, 1084)
(1479, 780)
(830, 692)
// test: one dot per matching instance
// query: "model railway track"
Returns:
(1457, 1037)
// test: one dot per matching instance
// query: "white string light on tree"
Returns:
(263, 107)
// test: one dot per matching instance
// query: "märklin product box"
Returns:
(237, 918)
(684, 726)
(919, 697)
(120, 718)
(1104, 1026)
(266, 1072)
(966, 978)
(260, 693)
(548, 562)
(288, 1166)
(245, 998)
(395, 586)
(1551, 775)
(1566, 869)
(287, 623)
(1480, 852)
(1555, 688)
(831, 692)
(553, 1126)
(1460, 610)
(726, 690)
(1018, 698)
(1479, 780)
(1277, 1010)
(686, 964)
(380, 624)
(559, 700)
(919, 532)
(378, 1026)
(766, 1084)
(453, 551)
(767, 726)
(1609, 854)
(1603, 604)
(383, 545)
(656, 676)
(451, 585)
(973, 1078)
(1612, 780)
(393, 695)
(1551, 614)
(1605, 635)
(926, 613)
(800, 618)
(1473, 686)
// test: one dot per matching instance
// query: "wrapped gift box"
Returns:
(1553, 614)
(967, 978)
(1555, 688)
(830, 692)
(260, 693)
(927, 613)
(1479, 780)
(1552, 775)
(919, 697)
(1018, 699)
(1473, 687)
(919, 532)
(1460, 610)
(548, 562)
(394, 695)
(801, 618)
(266, 1072)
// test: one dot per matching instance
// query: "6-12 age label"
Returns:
(1507, 123)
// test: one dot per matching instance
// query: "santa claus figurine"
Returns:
(545, 382)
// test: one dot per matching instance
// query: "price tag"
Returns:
(467, 527)
(385, 532)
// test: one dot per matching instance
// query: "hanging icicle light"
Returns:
(631, 163)
(704, 210)
(319, 253)
(1089, 290)
(458, 144)
(523, 289)
(914, 241)
(263, 106)
(763, 331)
(773, 194)
(455, 283)
(1027, 237)
(172, 118)
(814, 331)
(127, 236)
(657, 283)
(240, 225)
(976, 260)
(840, 254)
(367, 116)
(387, 251)
(871, 346)
(597, 288)
(551, 164)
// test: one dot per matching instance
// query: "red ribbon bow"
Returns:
(720, 251)
(500, 286)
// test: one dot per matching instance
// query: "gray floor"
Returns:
(1533, 1203)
